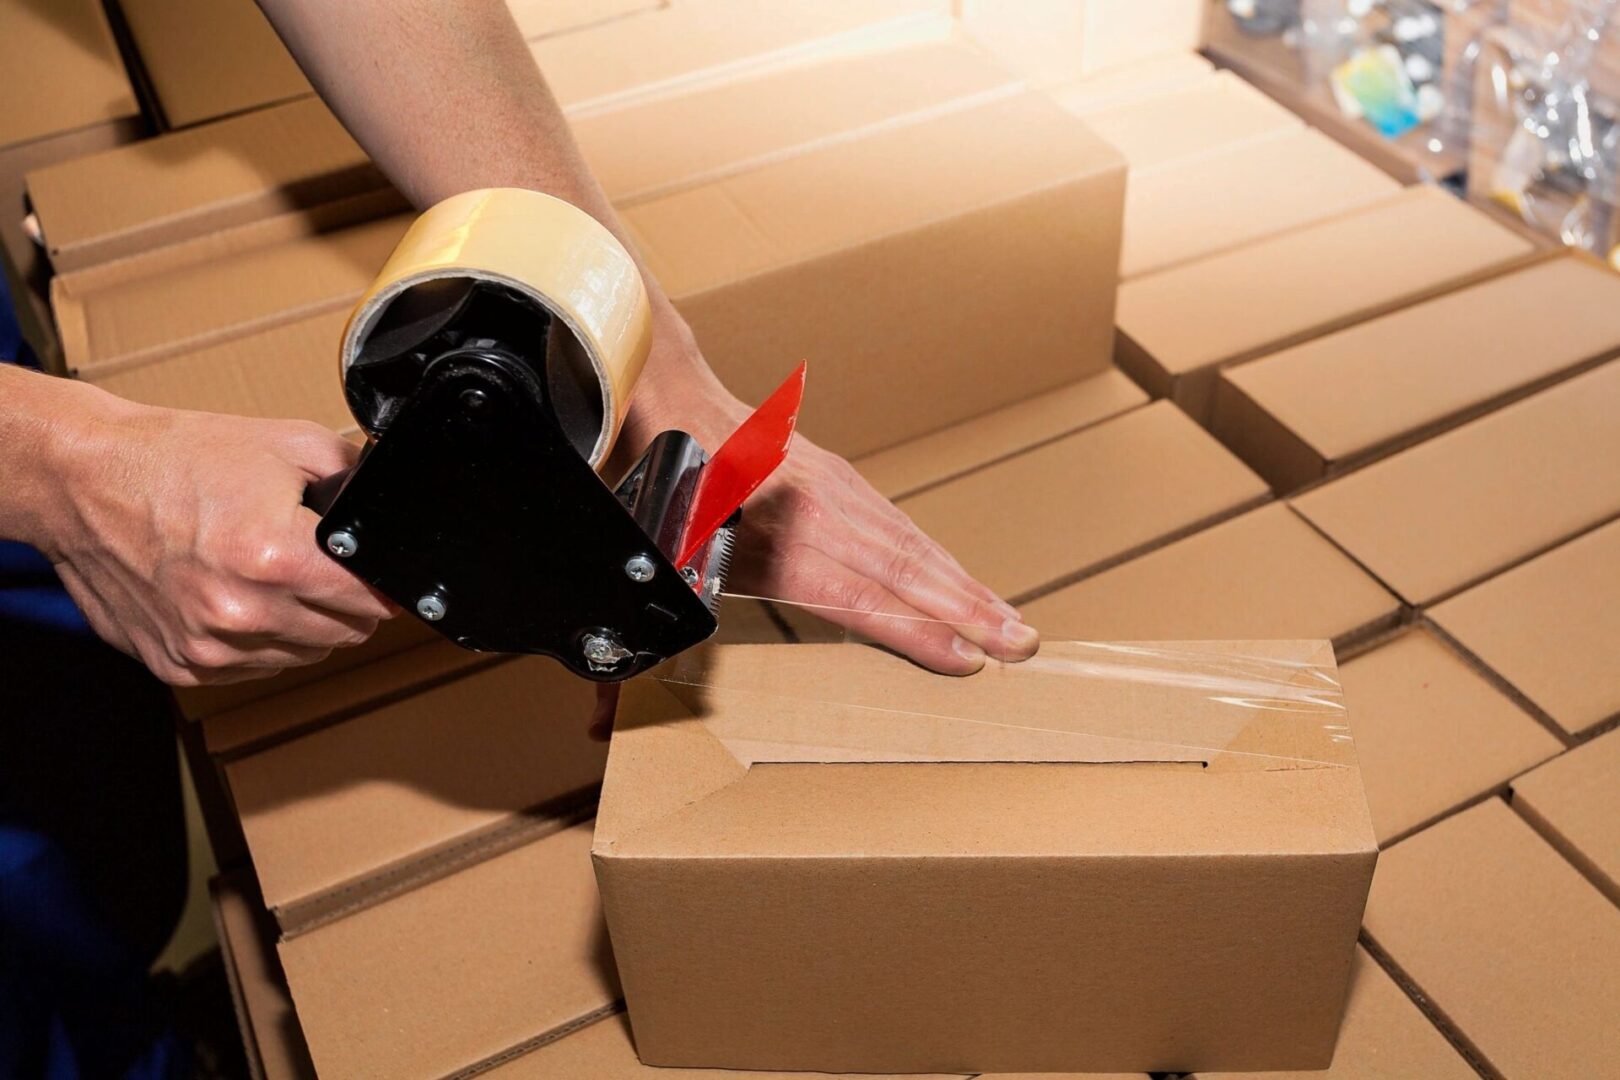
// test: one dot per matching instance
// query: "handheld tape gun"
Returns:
(491, 365)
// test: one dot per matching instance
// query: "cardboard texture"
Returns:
(931, 459)
(1072, 507)
(188, 184)
(1208, 116)
(1178, 326)
(417, 784)
(1432, 733)
(1253, 190)
(1550, 628)
(1148, 78)
(690, 43)
(1054, 40)
(204, 59)
(771, 862)
(1325, 406)
(1265, 574)
(1574, 802)
(271, 1037)
(897, 263)
(1438, 517)
(1117, 35)
(66, 94)
(504, 955)
(1509, 946)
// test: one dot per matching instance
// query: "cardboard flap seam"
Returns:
(535, 1042)
(1430, 1009)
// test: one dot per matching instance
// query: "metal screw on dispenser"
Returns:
(603, 650)
(689, 575)
(342, 543)
(430, 607)
(640, 568)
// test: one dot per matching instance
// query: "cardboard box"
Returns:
(66, 95)
(1234, 197)
(1511, 949)
(271, 1038)
(417, 786)
(1075, 506)
(1574, 803)
(461, 973)
(1133, 82)
(898, 263)
(1179, 326)
(1208, 116)
(185, 185)
(1550, 629)
(1434, 519)
(772, 863)
(932, 459)
(1117, 35)
(1432, 733)
(1265, 574)
(1385, 1037)
(1331, 404)
(1053, 40)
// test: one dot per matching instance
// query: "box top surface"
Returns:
(1215, 748)
(1551, 628)
(1352, 390)
(1450, 511)
(62, 71)
(858, 191)
(1131, 82)
(1577, 796)
(1265, 574)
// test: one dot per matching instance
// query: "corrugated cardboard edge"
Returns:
(233, 976)
(1430, 1009)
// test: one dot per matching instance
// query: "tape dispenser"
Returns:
(490, 365)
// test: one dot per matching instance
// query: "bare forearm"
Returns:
(42, 420)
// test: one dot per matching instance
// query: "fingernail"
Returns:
(1019, 634)
(967, 650)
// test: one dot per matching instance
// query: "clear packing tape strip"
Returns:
(834, 695)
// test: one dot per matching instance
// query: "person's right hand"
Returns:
(183, 539)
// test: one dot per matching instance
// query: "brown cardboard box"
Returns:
(1574, 802)
(1144, 79)
(798, 883)
(1253, 190)
(1072, 507)
(271, 1038)
(900, 264)
(185, 185)
(413, 787)
(1506, 943)
(1117, 35)
(1207, 116)
(1265, 574)
(1438, 517)
(1179, 326)
(1433, 734)
(1550, 629)
(932, 459)
(1053, 40)
(460, 973)
(1385, 1037)
(66, 94)
(1328, 405)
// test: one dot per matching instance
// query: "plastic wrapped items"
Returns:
(1546, 138)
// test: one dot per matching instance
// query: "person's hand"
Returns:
(816, 533)
(182, 538)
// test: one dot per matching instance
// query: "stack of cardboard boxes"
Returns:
(1342, 410)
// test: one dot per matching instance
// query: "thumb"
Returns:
(316, 451)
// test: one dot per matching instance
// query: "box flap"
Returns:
(1123, 34)
(447, 767)
(1551, 628)
(1459, 507)
(444, 978)
(646, 149)
(1122, 486)
(1266, 574)
(1132, 82)
(191, 183)
(1240, 194)
(923, 462)
(270, 1034)
(210, 58)
(1504, 940)
(1349, 392)
(823, 740)
(62, 71)
(1432, 733)
(1313, 279)
(1574, 801)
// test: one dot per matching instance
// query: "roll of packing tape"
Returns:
(543, 251)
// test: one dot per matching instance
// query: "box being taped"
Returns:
(1109, 857)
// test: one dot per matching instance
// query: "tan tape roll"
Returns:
(547, 250)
